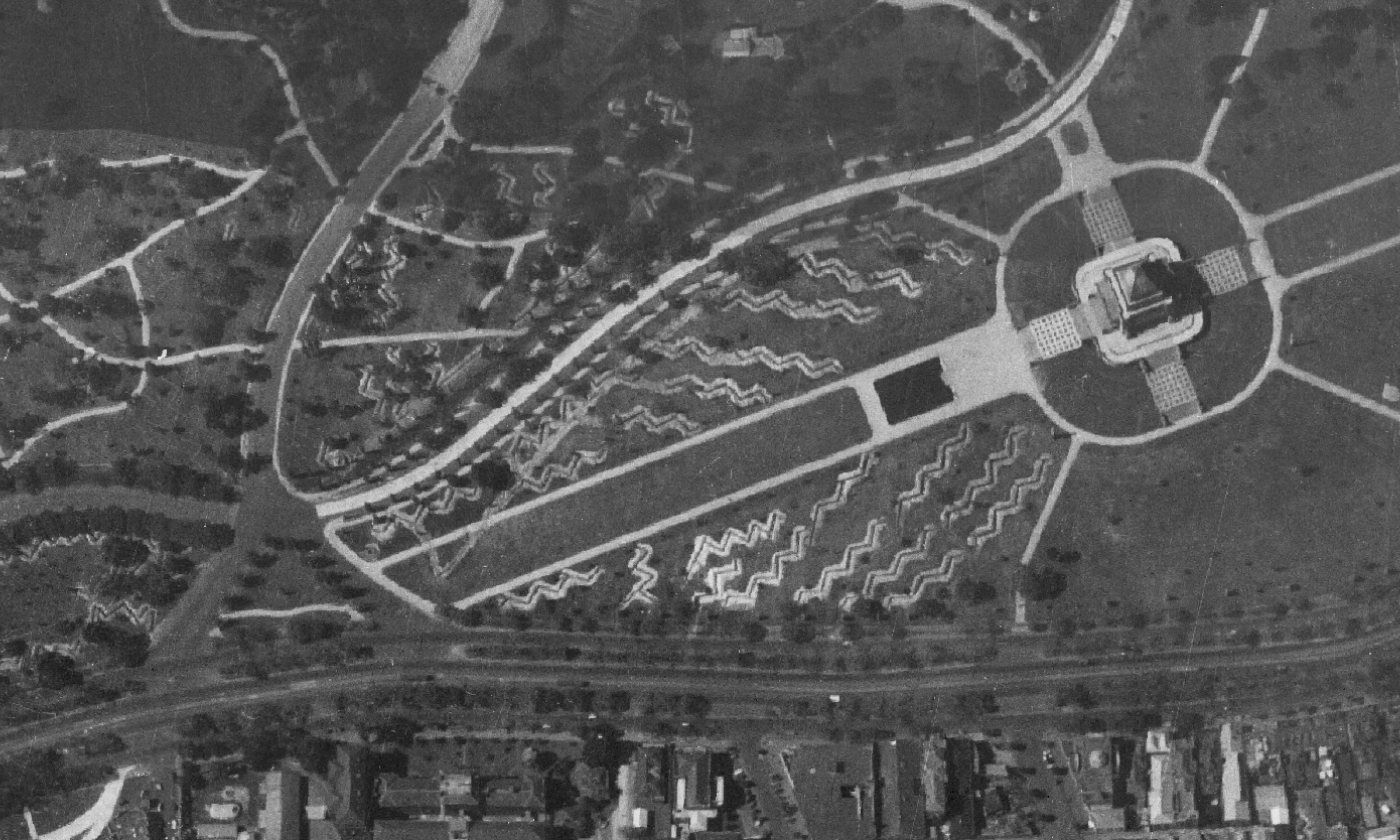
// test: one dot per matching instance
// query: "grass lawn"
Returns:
(1283, 501)
(165, 425)
(1342, 328)
(1225, 358)
(119, 64)
(871, 498)
(40, 604)
(108, 317)
(64, 221)
(633, 500)
(39, 382)
(1181, 207)
(1335, 228)
(1043, 259)
(438, 289)
(1155, 98)
(354, 64)
(1319, 109)
(858, 80)
(995, 196)
(214, 280)
(1065, 30)
(1097, 396)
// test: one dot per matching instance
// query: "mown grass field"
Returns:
(1341, 326)
(1156, 97)
(1043, 259)
(1319, 105)
(1335, 228)
(995, 196)
(118, 64)
(650, 493)
(1285, 503)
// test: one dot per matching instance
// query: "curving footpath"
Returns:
(1047, 118)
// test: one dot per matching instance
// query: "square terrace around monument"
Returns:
(1130, 316)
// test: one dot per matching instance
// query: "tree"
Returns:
(56, 672)
(1044, 584)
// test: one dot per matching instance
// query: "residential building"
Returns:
(411, 830)
(283, 804)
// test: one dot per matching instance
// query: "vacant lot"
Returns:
(118, 64)
(1043, 259)
(1157, 94)
(1281, 504)
(635, 499)
(1342, 327)
(995, 196)
(1335, 228)
(1318, 108)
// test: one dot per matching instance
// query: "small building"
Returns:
(283, 804)
(1271, 805)
(745, 42)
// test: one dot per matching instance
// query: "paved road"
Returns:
(158, 708)
(268, 506)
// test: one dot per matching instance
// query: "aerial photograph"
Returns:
(699, 419)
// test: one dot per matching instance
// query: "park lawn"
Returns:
(354, 65)
(437, 290)
(40, 602)
(1043, 260)
(1234, 346)
(756, 121)
(215, 280)
(1156, 97)
(1319, 109)
(464, 182)
(1283, 502)
(1335, 228)
(163, 427)
(1096, 396)
(61, 222)
(108, 317)
(118, 64)
(1341, 326)
(633, 500)
(871, 498)
(1065, 31)
(40, 382)
(1181, 207)
(996, 196)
